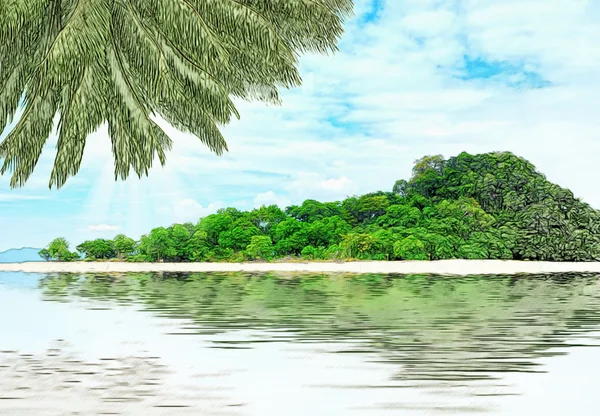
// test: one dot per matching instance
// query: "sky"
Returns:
(412, 78)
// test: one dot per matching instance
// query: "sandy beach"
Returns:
(442, 267)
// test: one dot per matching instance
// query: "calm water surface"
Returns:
(274, 344)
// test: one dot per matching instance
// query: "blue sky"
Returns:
(413, 77)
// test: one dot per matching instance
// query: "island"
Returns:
(470, 214)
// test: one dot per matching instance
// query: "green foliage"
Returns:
(124, 246)
(312, 210)
(214, 225)
(490, 206)
(358, 245)
(98, 249)
(139, 258)
(121, 62)
(400, 216)
(45, 254)
(58, 249)
(266, 219)
(260, 247)
(238, 237)
(314, 253)
(291, 236)
(333, 252)
(158, 245)
(198, 247)
(410, 248)
(400, 187)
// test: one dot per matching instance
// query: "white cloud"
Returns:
(190, 210)
(270, 198)
(342, 184)
(103, 227)
(312, 185)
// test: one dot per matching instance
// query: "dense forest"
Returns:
(486, 206)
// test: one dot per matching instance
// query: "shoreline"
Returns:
(439, 267)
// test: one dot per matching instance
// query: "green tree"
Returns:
(124, 246)
(214, 224)
(314, 253)
(238, 237)
(260, 247)
(410, 248)
(119, 62)
(327, 231)
(45, 254)
(384, 241)
(266, 218)
(401, 187)
(291, 236)
(435, 163)
(97, 249)
(58, 249)
(358, 245)
(158, 245)
(400, 216)
(198, 246)
(372, 206)
(312, 210)
(180, 237)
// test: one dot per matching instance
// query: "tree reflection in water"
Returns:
(433, 329)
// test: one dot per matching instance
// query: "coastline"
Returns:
(440, 267)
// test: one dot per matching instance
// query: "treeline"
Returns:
(487, 206)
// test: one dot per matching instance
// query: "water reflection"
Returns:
(271, 344)
(431, 329)
(101, 387)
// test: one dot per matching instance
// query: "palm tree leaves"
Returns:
(125, 62)
(22, 148)
(311, 25)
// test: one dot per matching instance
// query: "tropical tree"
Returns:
(45, 254)
(122, 63)
(400, 187)
(214, 224)
(400, 216)
(358, 245)
(312, 210)
(198, 247)
(158, 245)
(180, 237)
(435, 163)
(260, 247)
(327, 231)
(291, 236)
(58, 249)
(410, 248)
(266, 218)
(239, 236)
(124, 246)
(98, 249)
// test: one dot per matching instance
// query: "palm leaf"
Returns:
(123, 62)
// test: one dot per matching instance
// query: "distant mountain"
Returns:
(20, 255)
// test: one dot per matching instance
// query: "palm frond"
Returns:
(121, 62)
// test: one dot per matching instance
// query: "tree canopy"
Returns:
(123, 62)
(486, 206)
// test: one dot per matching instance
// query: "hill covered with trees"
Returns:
(486, 206)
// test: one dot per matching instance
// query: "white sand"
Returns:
(442, 267)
